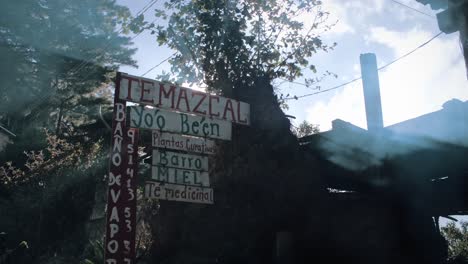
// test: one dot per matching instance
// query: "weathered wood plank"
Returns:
(176, 98)
(178, 160)
(181, 193)
(157, 119)
(183, 143)
(180, 176)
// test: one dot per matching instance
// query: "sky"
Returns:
(415, 85)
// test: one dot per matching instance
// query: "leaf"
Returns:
(162, 37)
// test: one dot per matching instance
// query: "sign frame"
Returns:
(176, 98)
(174, 192)
(171, 141)
(120, 246)
(183, 123)
(172, 159)
(180, 176)
(199, 116)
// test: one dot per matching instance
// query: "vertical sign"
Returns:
(121, 197)
(180, 177)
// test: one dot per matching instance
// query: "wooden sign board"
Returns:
(178, 160)
(157, 119)
(184, 143)
(181, 193)
(176, 98)
(121, 197)
(180, 176)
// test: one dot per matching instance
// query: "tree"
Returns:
(57, 58)
(305, 129)
(227, 44)
(57, 53)
(48, 202)
(457, 238)
(237, 48)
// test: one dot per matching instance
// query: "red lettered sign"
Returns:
(121, 197)
(176, 98)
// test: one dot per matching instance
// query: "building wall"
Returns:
(367, 229)
(449, 125)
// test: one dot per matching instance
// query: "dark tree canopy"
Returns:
(260, 177)
(305, 129)
(56, 58)
(457, 238)
(55, 53)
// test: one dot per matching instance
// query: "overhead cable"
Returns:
(83, 64)
(360, 77)
(414, 9)
(154, 67)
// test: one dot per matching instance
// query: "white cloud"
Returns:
(399, 42)
(415, 85)
(351, 12)
(423, 81)
(347, 104)
(364, 7)
(338, 13)
(405, 14)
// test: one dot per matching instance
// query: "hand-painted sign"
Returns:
(180, 176)
(175, 192)
(153, 118)
(179, 160)
(184, 143)
(176, 109)
(121, 197)
(176, 98)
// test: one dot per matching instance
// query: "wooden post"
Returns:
(121, 198)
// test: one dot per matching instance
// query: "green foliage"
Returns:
(94, 252)
(50, 200)
(57, 59)
(227, 44)
(56, 54)
(457, 238)
(237, 48)
(30, 139)
(305, 129)
(57, 156)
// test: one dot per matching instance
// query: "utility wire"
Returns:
(149, 5)
(50, 92)
(145, 8)
(8, 131)
(138, 34)
(414, 9)
(83, 64)
(134, 37)
(155, 66)
(323, 91)
(409, 53)
(360, 77)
